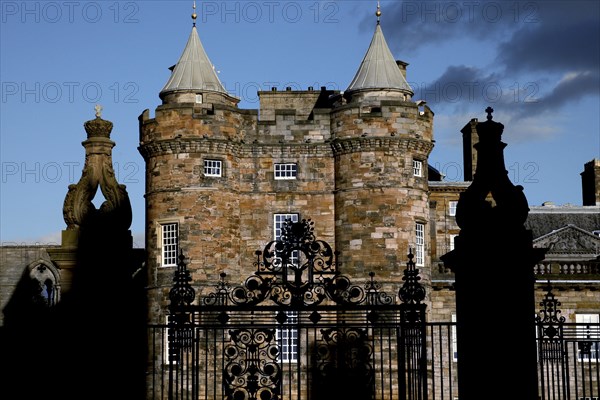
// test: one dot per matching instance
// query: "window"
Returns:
(420, 244)
(199, 98)
(286, 171)
(588, 348)
(452, 237)
(287, 337)
(417, 168)
(212, 168)
(44, 278)
(452, 208)
(278, 222)
(170, 239)
(453, 335)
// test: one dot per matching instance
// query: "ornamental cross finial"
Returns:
(489, 112)
(98, 109)
(378, 12)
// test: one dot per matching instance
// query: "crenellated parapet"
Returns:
(383, 118)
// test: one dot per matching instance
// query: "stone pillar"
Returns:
(493, 264)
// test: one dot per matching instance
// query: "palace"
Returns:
(222, 181)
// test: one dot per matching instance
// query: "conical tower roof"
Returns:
(193, 72)
(378, 69)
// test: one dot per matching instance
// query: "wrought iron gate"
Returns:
(297, 329)
(568, 355)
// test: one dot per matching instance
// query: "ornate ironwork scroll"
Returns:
(550, 328)
(299, 274)
(181, 294)
(299, 270)
(251, 371)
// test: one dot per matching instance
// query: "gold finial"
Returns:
(378, 13)
(194, 15)
(98, 109)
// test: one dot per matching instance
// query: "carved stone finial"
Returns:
(489, 112)
(98, 109)
(98, 174)
(98, 127)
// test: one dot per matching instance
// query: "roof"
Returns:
(544, 220)
(193, 71)
(378, 69)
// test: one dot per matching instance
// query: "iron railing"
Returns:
(297, 329)
(568, 365)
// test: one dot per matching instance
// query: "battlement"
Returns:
(300, 102)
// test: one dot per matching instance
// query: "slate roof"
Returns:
(378, 69)
(193, 71)
(543, 220)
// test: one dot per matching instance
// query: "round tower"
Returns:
(190, 151)
(381, 142)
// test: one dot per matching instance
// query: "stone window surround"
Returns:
(161, 242)
(417, 166)
(286, 171)
(214, 166)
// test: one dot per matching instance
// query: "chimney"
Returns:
(590, 183)
(402, 65)
(470, 137)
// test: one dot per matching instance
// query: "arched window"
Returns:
(45, 288)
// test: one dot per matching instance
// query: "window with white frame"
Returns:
(287, 337)
(213, 168)
(278, 221)
(286, 171)
(168, 340)
(417, 168)
(452, 208)
(420, 244)
(169, 241)
(453, 338)
(588, 330)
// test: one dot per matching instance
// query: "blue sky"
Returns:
(535, 62)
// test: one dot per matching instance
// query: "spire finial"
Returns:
(194, 15)
(98, 109)
(489, 112)
(378, 13)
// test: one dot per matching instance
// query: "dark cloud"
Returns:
(460, 87)
(570, 89)
(555, 44)
(547, 52)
